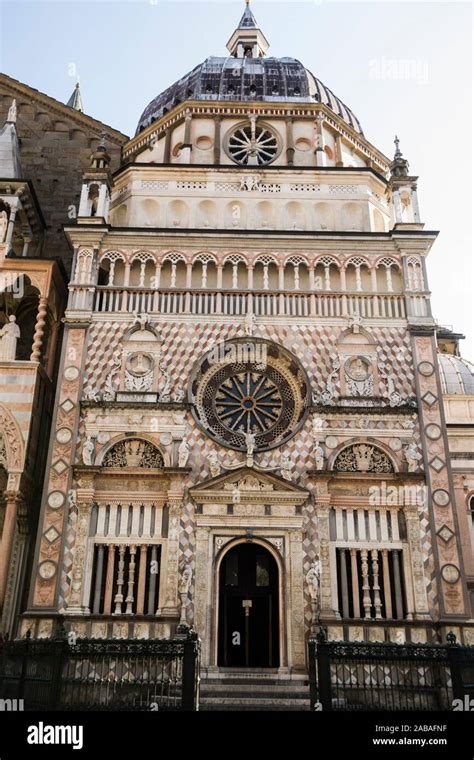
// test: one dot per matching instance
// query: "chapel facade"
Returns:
(249, 434)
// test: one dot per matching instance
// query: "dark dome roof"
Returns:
(457, 375)
(248, 79)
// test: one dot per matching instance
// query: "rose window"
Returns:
(248, 402)
(253, 145)
(249, 387)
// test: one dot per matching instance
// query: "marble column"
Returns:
(11, 508)
(39, 330)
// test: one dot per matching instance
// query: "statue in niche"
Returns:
(183, 453)
(9, 335)
(3, 225)
(88, 450)
(319, 457)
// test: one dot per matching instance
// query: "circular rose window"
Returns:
(253, 145)
(245, 387)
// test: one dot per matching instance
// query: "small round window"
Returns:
(253, 145)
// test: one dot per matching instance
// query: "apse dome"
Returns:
(457, 375)
(247, 76)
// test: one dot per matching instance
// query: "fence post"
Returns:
(58, 647)
(454, 659)
(24, 665)
(190, 688)
(324, 675)
(313, 681)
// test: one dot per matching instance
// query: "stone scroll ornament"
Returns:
(451, 595)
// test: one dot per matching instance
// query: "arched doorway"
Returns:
(248, 608)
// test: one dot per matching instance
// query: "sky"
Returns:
(403, 67)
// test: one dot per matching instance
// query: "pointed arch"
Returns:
(14, 443)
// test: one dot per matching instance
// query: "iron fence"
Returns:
(384, 676)
(98, 674)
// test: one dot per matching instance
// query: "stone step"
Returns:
(234, 703)
(238, 691)
(208, 689)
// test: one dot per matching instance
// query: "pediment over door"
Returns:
(248, 486)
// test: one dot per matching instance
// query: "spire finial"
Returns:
(248, 41)
(398, 153)
(75, 101)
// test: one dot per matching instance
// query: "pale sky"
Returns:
(402, 67)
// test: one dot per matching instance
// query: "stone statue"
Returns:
(250, 324)
(12, 113)
(183, 453)
(319, 457)
(250, 443)
(355, 322)
(9, 335)
(214, 464)
(3, 225)
(179, 395)
(184, 584)
(88, 451)
(141, 319)
(285, 466)
(412, 457)
(313, 580)
(165, 395)
(185, 581)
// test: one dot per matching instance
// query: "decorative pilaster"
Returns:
(416, 556)
(46, 571)
(452, 592)
(76, 604)
(171, 604)
(322, 510)
(297, 643)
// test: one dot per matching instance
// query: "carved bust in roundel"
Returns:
(358, 363)
(141, 354)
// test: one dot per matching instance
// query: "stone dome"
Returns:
(457, 375)
(273, 80)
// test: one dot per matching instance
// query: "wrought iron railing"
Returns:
(96, 674)
(385, 676)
